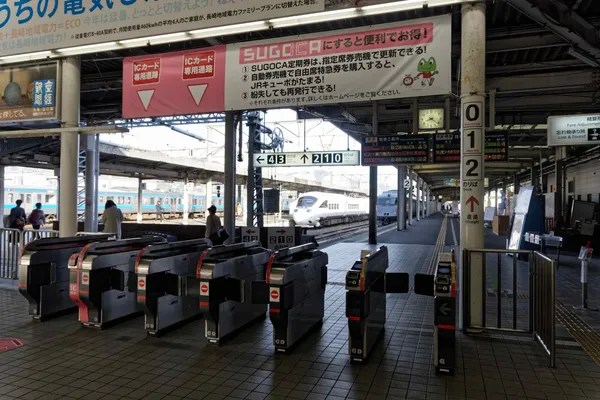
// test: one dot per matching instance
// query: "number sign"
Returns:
(307, 159)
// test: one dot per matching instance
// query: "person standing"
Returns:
(159, 211)
(112, 219)
(213, 225)
(18, 217)
(37, 219)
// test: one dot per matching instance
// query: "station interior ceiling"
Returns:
(542, 59)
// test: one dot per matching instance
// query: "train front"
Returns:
(304, 211)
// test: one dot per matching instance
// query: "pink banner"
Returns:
(409, 35)
(184, 82)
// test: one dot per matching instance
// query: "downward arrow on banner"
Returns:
(145, 97)
(197, 92)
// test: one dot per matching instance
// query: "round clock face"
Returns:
(431, 119)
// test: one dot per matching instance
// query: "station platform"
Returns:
(61, 360)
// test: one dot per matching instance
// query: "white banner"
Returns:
(38, 25)
(408, 59)
(570, 130)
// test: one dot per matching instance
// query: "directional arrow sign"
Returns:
(329, 158)
(472, 200)
(445, 308)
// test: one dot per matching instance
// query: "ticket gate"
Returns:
(44, 274)
(442, 286)
(223, 283)
(295, 291)
(162, 271)
(102, 280)
(366, 286)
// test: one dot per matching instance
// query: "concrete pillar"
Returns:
(230, 164)
(186, 201)
(401, 212)
(250, 183)
(503, 197)
(559, 188)
(91, 184)
(140, 200)
(472, 98)
(373, 186)
(418, 182)
(207, 197)
(240, 189)
(424, 198)
(410, 197)
(2, 199)
(57, 176)
(415, 112)
(492, 124)
(69, 146)
(517, 184)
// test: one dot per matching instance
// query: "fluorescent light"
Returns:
(158, 39)
(314, 18)
(229, 29)
(584, 58)
(90, 48)
(392, 7)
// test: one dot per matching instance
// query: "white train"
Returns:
(316, 209)
(387, 207)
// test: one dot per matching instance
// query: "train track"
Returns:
(328, 235)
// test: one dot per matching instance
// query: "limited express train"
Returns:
(316, 209)
(387, 207)
(172, 203)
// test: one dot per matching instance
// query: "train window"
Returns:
(179, 201)
(152, 201)
(145, 200)
(128, 199)
(306, 201)
(39, 198)
(386, 201)
(10, 198)
(120, 200)
(101, 199)
(28, 199)
(324, 205)
(110, 198)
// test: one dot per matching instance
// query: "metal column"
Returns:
(373, 185)
(558, 187)
(410, 197)
(401, 212)
(140, 202)
(69, 146)
(91, 184)
(517, 183)
(472, 99)
(418, 181)
(186, 201)
(207, 197)
(230, 163)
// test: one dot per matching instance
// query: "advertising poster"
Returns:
(407, 59)
(32, 26)
(28, 93)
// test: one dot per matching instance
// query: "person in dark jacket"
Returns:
(18, 217)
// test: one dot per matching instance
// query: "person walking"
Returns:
(159, 211)
(112, 219)
(18, 217)
(213, 225)
(37, 219)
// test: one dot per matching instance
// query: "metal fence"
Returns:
(535, 297)
(12, 242)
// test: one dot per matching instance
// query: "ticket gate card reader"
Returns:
(442, 286)
(295, 291)
(162, 271)
(366, 286)
(103, 282)
(44, 274)
(223, 283)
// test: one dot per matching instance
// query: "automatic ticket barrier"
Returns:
(366, 286)
(223, 283)
(103, 282)
(442, 286)
(162, 271)
(44, 274)
(295, 291)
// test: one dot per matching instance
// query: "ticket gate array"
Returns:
(103, 282)
(223, 283)
(295, 291)
(442, 286)
(44, 274)
(366, 286)
(162, 271)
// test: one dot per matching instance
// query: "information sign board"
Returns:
(400, 149)
(250, 233)
(29, 93)
(571, 130)
(446, 147)
(281, 237)
(402, 59)
(306, 159)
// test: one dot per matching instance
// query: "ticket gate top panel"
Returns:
(145, 261)
(50, 244)
(110, 251)
(364, 273)
(216, 260)
(278, 272)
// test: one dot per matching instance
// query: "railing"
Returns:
(537, 294)
(12, 242)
